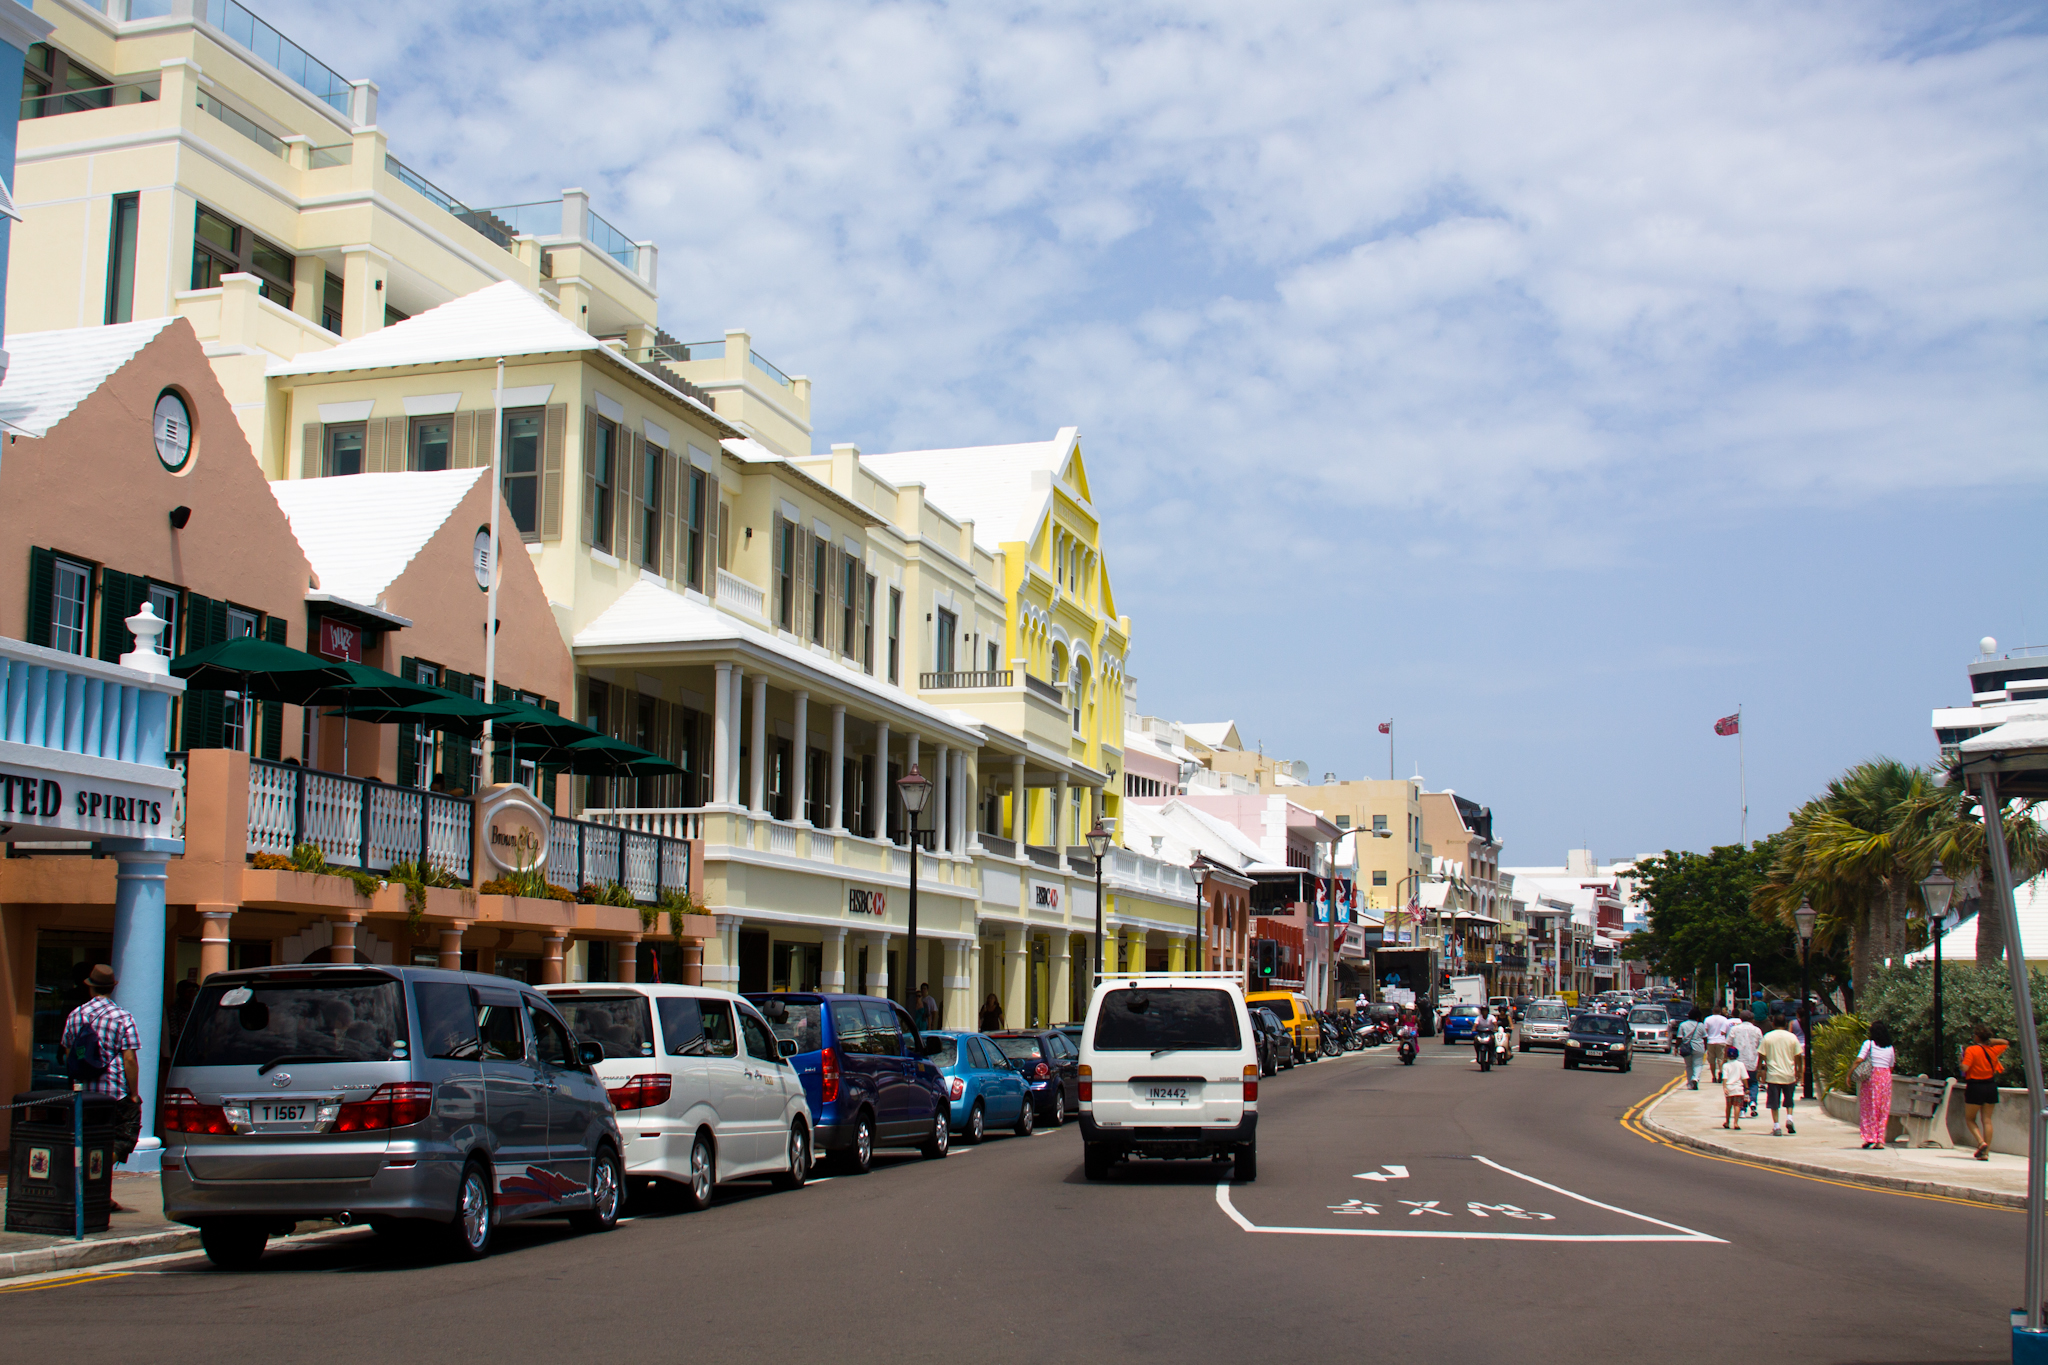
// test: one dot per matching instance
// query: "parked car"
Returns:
(1649, 1028)
(409, 1097)
(983, 1089)
(1291, 1008)
(866, 1073)
(1458, 1022)
(1275, 1044)
(704, 1085)
(1547, 1023)
(1169, 1068)
(1598, 1040)
(1050, 1067)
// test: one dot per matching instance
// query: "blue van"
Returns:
(866, 1070)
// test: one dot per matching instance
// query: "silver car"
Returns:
(406, 1097)
(1649, 1028)
(1545, 1024)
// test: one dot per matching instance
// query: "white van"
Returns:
(703, 1089)
(1170, 1068)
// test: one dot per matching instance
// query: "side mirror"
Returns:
(785, 1047)
(589, 1054)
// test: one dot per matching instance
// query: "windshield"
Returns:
(352, 1017)
(1648, 1016)
(621, 1024)
(948, 1049)
(1019, 1049)
(1140, 1020)
(1598, 1023)
(1549, 1012)
(1464, 1011)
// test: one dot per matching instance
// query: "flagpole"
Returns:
(491, 590)
(1742, 773)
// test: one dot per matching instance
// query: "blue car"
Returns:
(985, 1091)
(1458, 1023)
(866, 1071)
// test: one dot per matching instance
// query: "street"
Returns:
(1426, 1214)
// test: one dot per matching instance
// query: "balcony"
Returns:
(1001, 677)
(262, 41)
(728, 832)
(1044, 689)
(740, 595)
(568, 219)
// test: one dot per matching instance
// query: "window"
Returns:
(885, 1031)
(550, 1039)
(121, 258)
(785, 572)
(849, 606)
(993, 656)
(1379, 879)
(942, 643)
(164, 602)
(220, 247)
(330, 304)
(392, 317)
(1343, 822)
(603, 443)
(431, 437)
(895, 633)
(693, 516)
(820, 553)
(521, 457)
(1379, 824)
(760, 1042)
(238, 725)
(344, 450)
(71, 597)
(719, 1039)
(422, 774)
(53, 83)
(867, 626)
(650, 507)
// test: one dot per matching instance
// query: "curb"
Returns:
(78, 1255)
(1904, 1184)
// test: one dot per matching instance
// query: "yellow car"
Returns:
(1292, 1009)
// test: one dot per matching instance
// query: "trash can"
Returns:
(39, 1183)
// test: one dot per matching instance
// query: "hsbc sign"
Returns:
(1045, 896)
(860, 901)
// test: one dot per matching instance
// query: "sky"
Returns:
(1550, 379)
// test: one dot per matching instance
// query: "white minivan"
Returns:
(702, 1088)
(1170, 1068)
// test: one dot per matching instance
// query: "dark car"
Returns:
(1520, 1005)
(1052, 1068)
(866, 1072)
(1598, 1040)
(1276, 1044)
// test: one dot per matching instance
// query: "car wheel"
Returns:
(941, 1141)
(1056, 1115)
(233, 1243)
(799, 1160)
(703, 1174)
(1096, 1159)
(1027, 1120)
(607, 1181)
(469, 1232)
(977, 1125)
(1571, 1064)
(1627, 1065)
(1247, 1169)
(1522, 1047)
(859, 1156)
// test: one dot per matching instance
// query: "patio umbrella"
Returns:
(267, 671)
(603, 756)
(447, 712)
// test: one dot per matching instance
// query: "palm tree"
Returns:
(1955, 836)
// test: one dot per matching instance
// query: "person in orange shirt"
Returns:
(1982, 1066)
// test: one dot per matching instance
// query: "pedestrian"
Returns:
(991, 1014)
(1744, 1040)
(1874, 1086)
(1717, 1042)
(1982, 1066)
(1783, 1064)
(1734, 1090)
(100, 1040)
(1692, 1046)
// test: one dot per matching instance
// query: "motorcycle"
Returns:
(1354, 1038)
(1483, 1047)
(1501, 1050)
(1330, 1046)
(1407, 1049)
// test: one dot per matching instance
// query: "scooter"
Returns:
(1482, 1045)
(1329, 1043)
(1501, 1050)
(1407, 1049)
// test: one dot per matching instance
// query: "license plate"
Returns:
(1171, 1094)
(275, 1113)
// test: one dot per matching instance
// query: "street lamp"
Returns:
(1200, 872)
(1936, 889)
(1803, 918)
(915, 790)
(1098, 849)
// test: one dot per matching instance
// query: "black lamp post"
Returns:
(1200, 872)
(1098, 849)
(915, 790)
(1936, 889)
(1803, 918)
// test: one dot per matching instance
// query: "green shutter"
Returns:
(273, 711)
(121, 596)
(408, 742)
(42, 587)
(455, 759)
(206, 622)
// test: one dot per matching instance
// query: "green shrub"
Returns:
(1903, 997)
(1835, 1045)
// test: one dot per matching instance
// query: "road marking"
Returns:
(1392, 1172)
(62, 1281)
(1676, 1234)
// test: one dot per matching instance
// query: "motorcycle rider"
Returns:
(1503, 1034)
(1483, 1037)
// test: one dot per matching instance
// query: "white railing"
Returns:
(586, 853)
(781, 838)
(670, 824)
(53, 700)
(355, 822)
(739, 594)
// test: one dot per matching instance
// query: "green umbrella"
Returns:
(258, 668)
(529, 724)
(448, 712)
(363, 686)
(603, 756)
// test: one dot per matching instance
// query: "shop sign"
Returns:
(339, 640)
(861, 901)
(1046, 896)
(515, 828)
(39, 802)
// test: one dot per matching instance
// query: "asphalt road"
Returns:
(1478, 1244)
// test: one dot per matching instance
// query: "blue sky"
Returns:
(1549, 378)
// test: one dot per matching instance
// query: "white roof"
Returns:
(1001, 489)
(2016, 730)
(50, 373)
(1187, 831)
(1212, 733)
(1145, 743)
(651, 614)
(360, 531)
(2030, 899)
(502, 319)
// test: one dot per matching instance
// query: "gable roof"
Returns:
(50, 373)
(360, 532)
(1220, 734)
(499, 320)
(1003, 490)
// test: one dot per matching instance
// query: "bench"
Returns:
(1920, 1103)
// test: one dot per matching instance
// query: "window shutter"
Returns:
(589, 475)
(673, 474)
(864, 624)
(633, 501)
(117, 590)
(373, 446)
(42, 588)
(310, 462)
(408, 742)
(775, 571)
(721, 543)
(464, 456)
(273, 711)
(206, 622)
(553, 429)
(835, 564)
(397, 445)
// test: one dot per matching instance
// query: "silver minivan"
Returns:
(409, 1098)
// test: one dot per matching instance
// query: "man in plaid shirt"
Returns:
(114, 1029)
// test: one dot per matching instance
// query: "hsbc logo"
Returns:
(1044, 897)
(861, 902)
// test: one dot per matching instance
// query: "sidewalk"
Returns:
(1825, 1146)
(141, 1230)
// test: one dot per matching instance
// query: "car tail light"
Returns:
(828, 1075)
(390, 1106)
(1251, 1084)
(955, 1087)
(641, 1092)
(1087, 1074)
(1040, 1072)
(184, 1114)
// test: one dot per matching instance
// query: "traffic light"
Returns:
(1445, 982)
(1269, 957)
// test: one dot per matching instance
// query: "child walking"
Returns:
(1735, 1089)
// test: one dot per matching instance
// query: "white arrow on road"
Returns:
(1391, 1172)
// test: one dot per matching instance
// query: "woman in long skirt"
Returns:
(1874, 1096)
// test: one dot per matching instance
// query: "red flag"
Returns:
(1729, 725)
(1386, 727)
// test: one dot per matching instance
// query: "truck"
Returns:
(1465, 990)
(1413, 970)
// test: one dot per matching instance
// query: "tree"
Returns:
(1701, 914)
(1956, 837)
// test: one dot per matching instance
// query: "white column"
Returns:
(1020, 804)
(726, 974)
(942, 815)
(882, 794)
(910, 753)
(757, 770)
(832, 973)
(1057, 827)
(878, 965)
(734, 730)
(721, 735)
(803, 754)
(836, 781)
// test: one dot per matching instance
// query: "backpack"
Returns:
(86, 1064)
